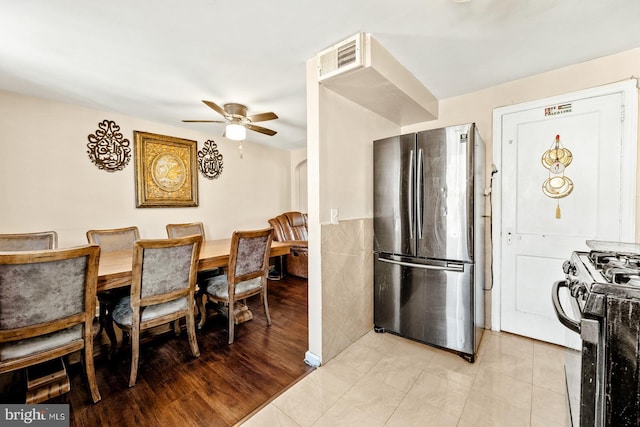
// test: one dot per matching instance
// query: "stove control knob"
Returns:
(577, 289)
(568, 268)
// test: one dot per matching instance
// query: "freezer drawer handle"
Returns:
(451, 267)
(562, 316)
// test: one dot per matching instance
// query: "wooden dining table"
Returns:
(114, 270)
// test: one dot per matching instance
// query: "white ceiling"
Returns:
(157, 59)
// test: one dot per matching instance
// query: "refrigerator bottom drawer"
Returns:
(433, 306)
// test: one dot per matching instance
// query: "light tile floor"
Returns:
(385, 380)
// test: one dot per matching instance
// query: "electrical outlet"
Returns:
(334, 216)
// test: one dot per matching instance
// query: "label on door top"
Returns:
(554, 110)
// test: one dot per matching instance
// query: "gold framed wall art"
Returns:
(166, 171)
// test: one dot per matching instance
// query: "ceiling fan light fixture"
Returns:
(236, 132)
(237, 121)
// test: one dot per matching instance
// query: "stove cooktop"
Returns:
(617, 267)
(604, 272)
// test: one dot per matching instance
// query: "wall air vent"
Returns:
(342, 57)
(363, 71)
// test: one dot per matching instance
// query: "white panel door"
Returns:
(534, 243)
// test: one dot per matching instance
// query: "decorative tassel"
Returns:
(558, 216)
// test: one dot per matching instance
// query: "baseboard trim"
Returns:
(311, 359)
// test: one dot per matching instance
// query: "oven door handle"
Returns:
(562, 316)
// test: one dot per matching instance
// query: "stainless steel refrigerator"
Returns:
(429, 237)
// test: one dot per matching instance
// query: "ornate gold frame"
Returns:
(166, 171)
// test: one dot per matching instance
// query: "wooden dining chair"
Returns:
(246, 275)
(112, 240)
(47, 307)
(162, 291)
(29, 241)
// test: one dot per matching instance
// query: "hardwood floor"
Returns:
(219, 388)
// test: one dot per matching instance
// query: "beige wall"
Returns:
(346, 170)
(47, 181)
(346, 156)
(299, 183)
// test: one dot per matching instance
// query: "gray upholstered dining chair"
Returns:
(246, 275)
(29, 241)
(162, 291)
(47, 307)
(112, 240)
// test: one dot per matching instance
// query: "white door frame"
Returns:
(629, 154)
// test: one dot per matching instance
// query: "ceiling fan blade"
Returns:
(204, 121)
(263, 117)
(261, 129)
(216, 108)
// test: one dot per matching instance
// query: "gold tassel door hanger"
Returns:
(557, 185)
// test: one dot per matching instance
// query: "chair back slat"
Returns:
(29, 241)
(165, 269)
(251, 251)
(183, 230)
(115, 239)
(161, 267)
(41, 292)
(47, 286)
(249, 254)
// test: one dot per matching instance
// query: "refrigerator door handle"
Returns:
(448, 267)
(419, 196)
(411, 194)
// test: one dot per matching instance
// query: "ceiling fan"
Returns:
(235, 116)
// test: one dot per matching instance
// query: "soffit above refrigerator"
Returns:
(362, 70)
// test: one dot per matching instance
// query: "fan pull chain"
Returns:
(558, 214)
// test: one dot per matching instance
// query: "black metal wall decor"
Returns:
(108, 149)
(210, 160)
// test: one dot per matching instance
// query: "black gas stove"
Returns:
(602, 273)
(605, 288)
